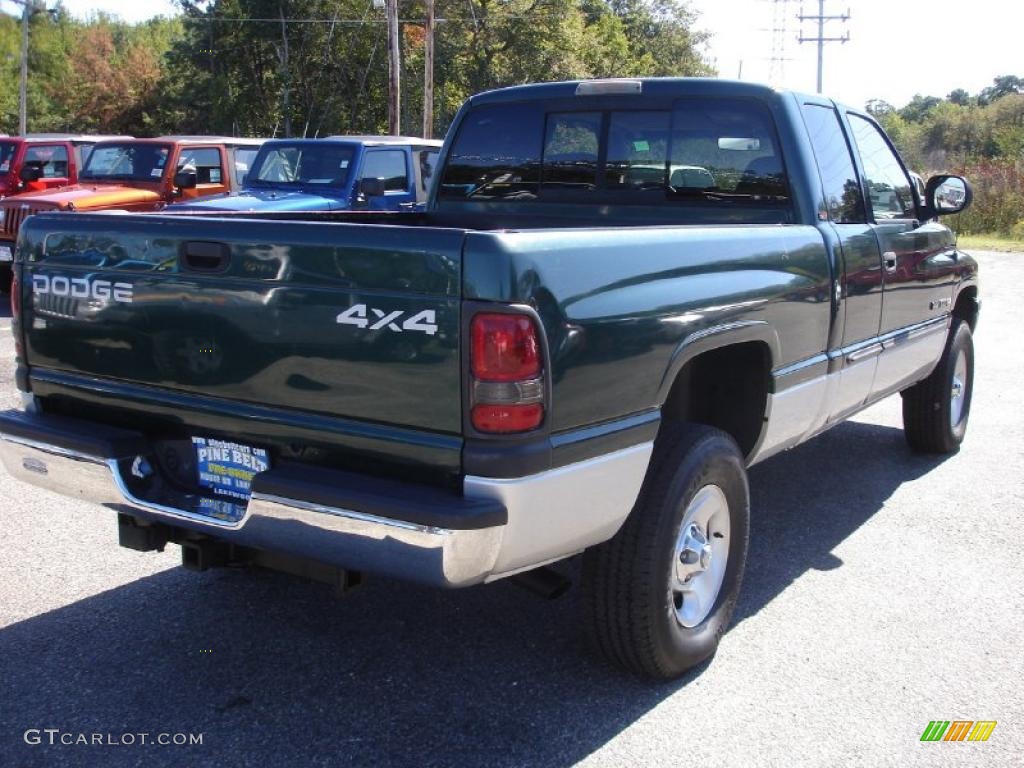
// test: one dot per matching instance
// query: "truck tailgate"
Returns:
(347, 321)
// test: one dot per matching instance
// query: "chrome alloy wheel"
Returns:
(701, 554)
(958, 390)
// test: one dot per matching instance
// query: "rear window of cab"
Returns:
(711, 151)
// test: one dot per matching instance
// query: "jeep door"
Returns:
(211, 167)
(54, 161)
(392, 165)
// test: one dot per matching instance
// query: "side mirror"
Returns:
(29, 173)
(186, 179)
(945, 194)
(372, 187)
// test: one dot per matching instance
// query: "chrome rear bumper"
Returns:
(342, 537)
(497, 527)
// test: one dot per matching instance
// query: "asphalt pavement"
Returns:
(884, 590)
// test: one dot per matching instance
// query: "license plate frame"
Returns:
(227, 468)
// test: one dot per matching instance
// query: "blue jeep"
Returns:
(373, 173)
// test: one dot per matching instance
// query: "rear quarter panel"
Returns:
(618, 304)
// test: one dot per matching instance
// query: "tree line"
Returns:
(317, 67)
(980, 136)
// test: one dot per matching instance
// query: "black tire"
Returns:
(928, 410)
(6, 274)
(628, 602)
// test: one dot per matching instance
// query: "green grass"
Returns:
(989, 243)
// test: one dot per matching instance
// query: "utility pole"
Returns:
(26, 13)
(286, 96)
(428, 72)
(28, 9)
(820, 38)
(394, 73)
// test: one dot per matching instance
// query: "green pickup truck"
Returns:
(622, 294)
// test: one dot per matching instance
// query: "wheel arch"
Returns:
(967, 306)
(721, 377)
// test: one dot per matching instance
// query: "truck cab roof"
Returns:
(668, 87)
(664, 87)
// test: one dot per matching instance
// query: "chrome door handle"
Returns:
(890, 261)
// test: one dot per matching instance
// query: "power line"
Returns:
(437, 20)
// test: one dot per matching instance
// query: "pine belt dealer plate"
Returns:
(228, 468)
(5, 254)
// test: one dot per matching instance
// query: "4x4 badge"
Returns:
(357, 315)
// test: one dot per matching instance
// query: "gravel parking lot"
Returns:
(884, 590)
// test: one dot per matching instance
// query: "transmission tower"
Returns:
(780, 36)
(820, 18)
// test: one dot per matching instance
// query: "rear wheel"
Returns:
(660, 594)
(935, 410)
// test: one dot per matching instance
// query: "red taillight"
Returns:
(505, 348)
(506, 363)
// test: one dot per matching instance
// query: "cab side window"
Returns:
(206, 161)
(53, 160)
(387, 164)
(843, 195)
(889, 187)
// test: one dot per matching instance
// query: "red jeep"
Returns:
(42, 161)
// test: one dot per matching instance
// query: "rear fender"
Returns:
(716, 337)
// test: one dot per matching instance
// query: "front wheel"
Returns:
(659, 595)
(935, 410)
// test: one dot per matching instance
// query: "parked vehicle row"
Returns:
(197, 174)
(377, 173)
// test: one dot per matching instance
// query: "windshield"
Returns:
(7, 149)
(126, 162)
(301, 164)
